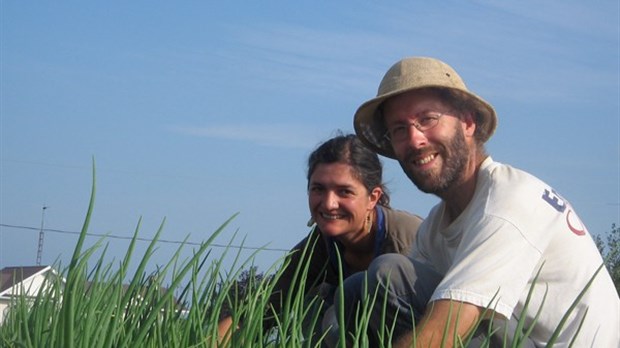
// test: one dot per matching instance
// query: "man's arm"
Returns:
(430, 330)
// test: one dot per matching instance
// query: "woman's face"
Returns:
(339, 202)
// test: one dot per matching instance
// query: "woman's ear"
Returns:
(374, 197)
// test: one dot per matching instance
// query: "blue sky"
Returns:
(194, 111)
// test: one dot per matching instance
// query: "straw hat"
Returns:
(411, 74)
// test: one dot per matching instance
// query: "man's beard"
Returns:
(455, 155)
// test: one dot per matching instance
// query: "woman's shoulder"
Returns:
(401, 228)
(398, 218)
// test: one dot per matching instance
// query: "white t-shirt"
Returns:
(515, 226)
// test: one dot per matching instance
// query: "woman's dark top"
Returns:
(396, 234)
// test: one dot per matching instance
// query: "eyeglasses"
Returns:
(422, 123)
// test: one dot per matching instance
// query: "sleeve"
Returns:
(485, 272)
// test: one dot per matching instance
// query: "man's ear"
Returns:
(468, 120)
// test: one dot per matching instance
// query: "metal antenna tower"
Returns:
(40, 248)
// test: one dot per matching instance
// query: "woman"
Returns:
(352, 219)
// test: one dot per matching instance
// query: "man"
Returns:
(501, 245)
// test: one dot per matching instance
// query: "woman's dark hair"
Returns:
(348, 149)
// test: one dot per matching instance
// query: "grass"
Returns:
(94, 308)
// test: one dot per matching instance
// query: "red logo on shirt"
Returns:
(574, 223)
(559, 204)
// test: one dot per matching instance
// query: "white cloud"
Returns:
(596, 19)
(507, 51)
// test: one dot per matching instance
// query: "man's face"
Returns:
(436, 158)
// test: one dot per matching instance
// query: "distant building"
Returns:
(29, 281)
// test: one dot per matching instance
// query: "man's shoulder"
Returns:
(500, 182)
(499, 172)
(516, 197)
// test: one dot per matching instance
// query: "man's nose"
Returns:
(417, 138)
